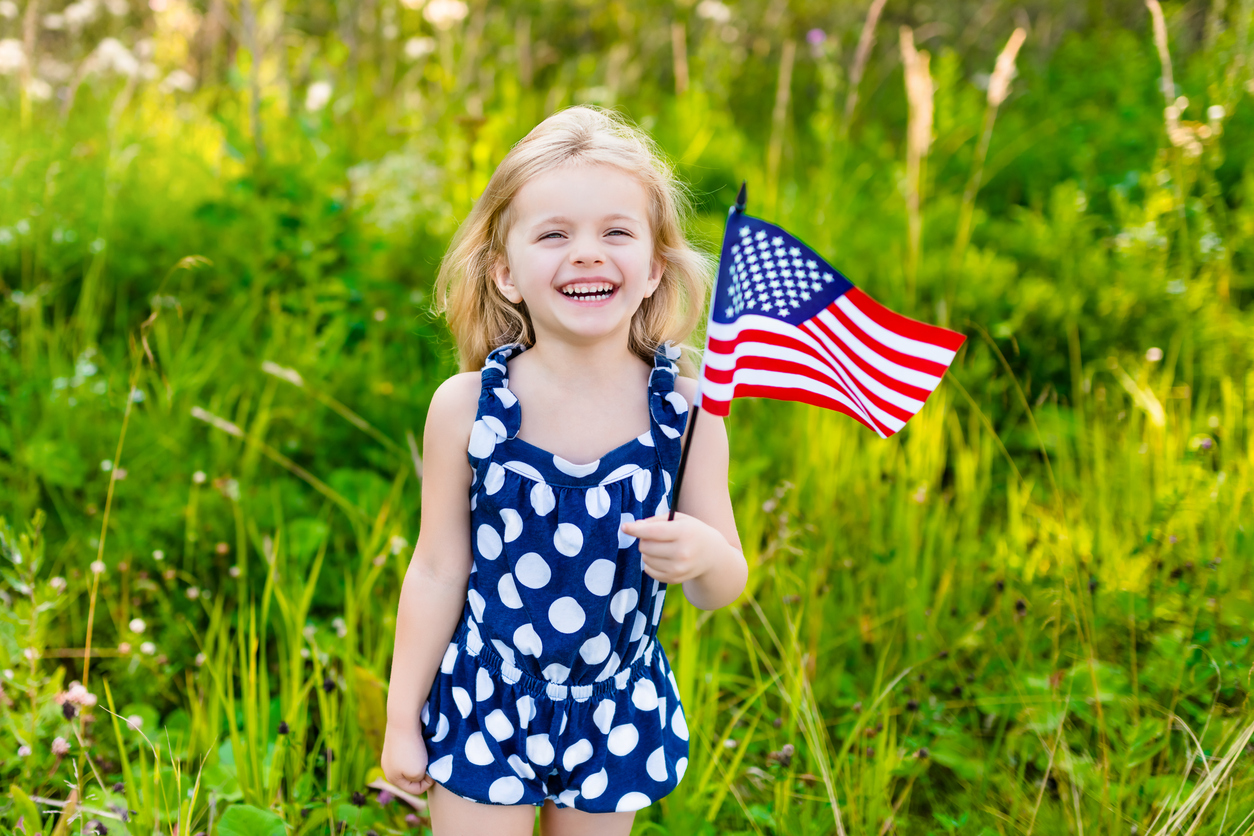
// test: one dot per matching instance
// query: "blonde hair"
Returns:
(482, 319)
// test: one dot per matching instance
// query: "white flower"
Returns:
(1215, 113)
(39, 90)
(119, 474)
(57, 584)
(193, 592)
(31, 653)
(124, 648)
(147, 648)
(97, 566)
(112, 56)
(106, 465)
(60, 747)
(199, 477)
(442, 14)
(80, 695)
(200, 659)
(137, 625)
(117, 8)
(233, 571)
(398, 543)
(78, 15)
(134, 721)
(415, 48)
(23, 751)
(8, 9)
(158, 555)
(1154, 354)
(55, 71)
(341, 629)
(55, 22)
(317, 96)
(178, 80)
(713, 10)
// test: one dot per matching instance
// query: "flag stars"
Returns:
(827, 277)
(794, 251)
(777, 241)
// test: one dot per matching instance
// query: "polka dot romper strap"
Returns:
(554, 685)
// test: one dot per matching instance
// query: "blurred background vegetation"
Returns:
(1028, 613)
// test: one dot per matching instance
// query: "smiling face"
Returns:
(579, 253)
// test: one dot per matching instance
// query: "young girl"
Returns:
(569, 289)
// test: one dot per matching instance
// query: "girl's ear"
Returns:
(504, 281)
(655, 275)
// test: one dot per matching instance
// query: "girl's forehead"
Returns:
(587, 190)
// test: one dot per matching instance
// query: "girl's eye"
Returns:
(548, 235)
(623, 231)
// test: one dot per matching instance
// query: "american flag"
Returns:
(785, 324)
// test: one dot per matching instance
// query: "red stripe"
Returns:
(726, 347)
(784, 394)
(904, 325)
(772, 364)
(907, 360)
(896, 384)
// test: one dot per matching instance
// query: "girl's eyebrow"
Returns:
(558, 219)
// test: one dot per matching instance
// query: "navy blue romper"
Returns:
(554, 685)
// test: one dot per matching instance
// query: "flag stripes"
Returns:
(854, 356)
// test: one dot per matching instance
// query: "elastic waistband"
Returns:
(472, 643)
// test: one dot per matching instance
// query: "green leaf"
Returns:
(25, 808)
(246, 820)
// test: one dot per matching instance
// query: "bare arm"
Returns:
(434, 590)
(700, 548)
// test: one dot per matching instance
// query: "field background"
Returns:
(1029, 613)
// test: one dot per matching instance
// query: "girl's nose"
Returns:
(586, 251)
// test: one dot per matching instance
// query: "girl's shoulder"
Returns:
(454, 406)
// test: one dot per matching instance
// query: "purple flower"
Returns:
(815, 37)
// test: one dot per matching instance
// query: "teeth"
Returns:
(591, 292)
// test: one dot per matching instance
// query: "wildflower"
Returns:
(57, 584)
(713, 10)
(912, 705)
(119, 474)
(124, 648)
(358, 799)
(54, 22)
(97, 566)
(193, 592)
(134, 722)
(12, 57)
(341, 629)
(923, 753)
(1154, 354)
(442, 14)
(23, 751)
(137, 625)
(384, 798)
(200, 659)
(8, 9)
(1001, 585)
(222, 548)
(730, 743)
(199, 477)
(416, 48)
(920, 494)
(96, 826)
(178, 80)
(397, 543)
(31, 653)
(68, 711)
(78, 15)
(233, 571)
(168, 574)
(328, 684)
(147, 648)
(380, 314)
(119, 787)
(283, 727)
(1021, 606)
(158, 555)
(317, 96)
(60, 747)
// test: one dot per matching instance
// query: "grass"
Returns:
(1026, 614)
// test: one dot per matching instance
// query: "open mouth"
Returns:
(588, 291)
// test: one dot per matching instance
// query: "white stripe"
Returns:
(914, 377)
(892, 339)
(911, 405)
(814, 361)
(755, 377)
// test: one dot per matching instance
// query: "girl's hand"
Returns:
(404, 759)
(674, 551)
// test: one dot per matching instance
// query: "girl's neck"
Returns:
(581, 367)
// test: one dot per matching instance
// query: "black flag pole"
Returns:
(696, 407)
